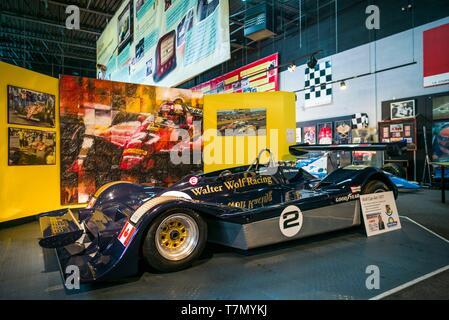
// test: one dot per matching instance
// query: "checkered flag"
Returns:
(360, 121)
(318, 85)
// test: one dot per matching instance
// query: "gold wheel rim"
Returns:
(177, 237)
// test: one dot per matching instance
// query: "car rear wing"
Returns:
(392, 149)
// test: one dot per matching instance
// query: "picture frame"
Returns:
(30, 147)
(29, 107)
(402, 109)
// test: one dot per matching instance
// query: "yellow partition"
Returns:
(26, 190)
(226, 152)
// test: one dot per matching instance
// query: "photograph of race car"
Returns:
(31, 108)
(244, 207)
(241, 122)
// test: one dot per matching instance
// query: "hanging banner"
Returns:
(436, 57)
(250, 78)
(164, 43)
(380, 213)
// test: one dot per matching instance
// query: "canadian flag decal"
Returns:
(126, 234)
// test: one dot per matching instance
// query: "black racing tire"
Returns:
(161, 258)
(375, 186)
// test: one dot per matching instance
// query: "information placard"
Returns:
(380, 213)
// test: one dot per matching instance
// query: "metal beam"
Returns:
(51, 53)
(40, 38)
(45, 22)
(51, 64)
(86, 10)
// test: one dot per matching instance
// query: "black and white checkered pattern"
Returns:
(360, 121)
(318, 86)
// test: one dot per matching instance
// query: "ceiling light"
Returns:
(312, 62)
(292, 67)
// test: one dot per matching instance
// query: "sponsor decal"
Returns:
(356, 189)
(253, 203)
(233, 185)
(290, 221)
(349, 197)
(126, 234)
(193, 181)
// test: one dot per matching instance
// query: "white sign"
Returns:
(290, 221)
(380, 213)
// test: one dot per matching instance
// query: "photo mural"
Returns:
(113, 131)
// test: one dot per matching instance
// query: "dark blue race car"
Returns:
(244, 207)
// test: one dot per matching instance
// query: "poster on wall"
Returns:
(253, 77)
(30, 108)
(440, 108)
(343, 130)
(436, 59)
(242, 122)
(380, 213)
(402, 110)
(324, 133)
(440, 144)
(29, 147)
(164, 43)
(309, 135)
(318, 85)
(113, 131)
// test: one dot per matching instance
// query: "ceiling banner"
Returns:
(164, 43)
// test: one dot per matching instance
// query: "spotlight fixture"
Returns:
(312, 62)
(343, 85)
(292, 67)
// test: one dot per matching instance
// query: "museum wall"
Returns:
(280, 115)
(26, 190)
(366, 94)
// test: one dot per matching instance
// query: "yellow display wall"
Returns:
(26, 190)
(30, 190)
(226, 152)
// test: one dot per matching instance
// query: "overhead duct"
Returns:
(259, 24)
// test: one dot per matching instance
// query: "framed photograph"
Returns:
(30, 108)
(309, 135)
(396, 128)
(29, 147)
(440, 108)
(325, 133)
(242, 122)
(402, 109)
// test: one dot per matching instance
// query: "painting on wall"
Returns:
(325, 133)
(343, 130)
(30, 108)
(113, 131)
(29, 147)
(242, 122)
(440, 144)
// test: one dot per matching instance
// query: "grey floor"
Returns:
(325, 267)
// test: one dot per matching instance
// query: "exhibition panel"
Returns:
(193, 150)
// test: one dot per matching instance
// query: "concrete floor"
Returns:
(324, 267)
